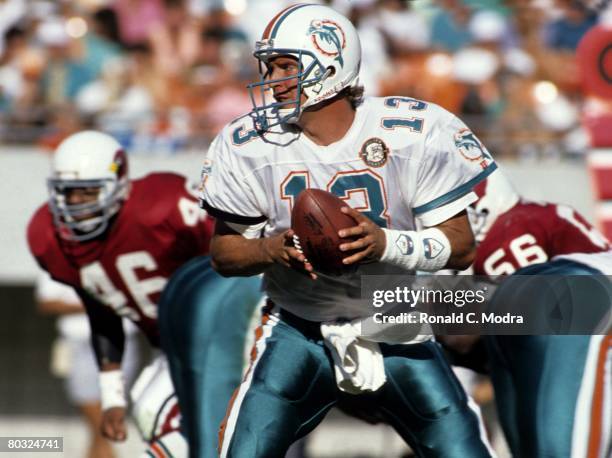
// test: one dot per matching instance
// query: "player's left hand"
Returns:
(371, 242)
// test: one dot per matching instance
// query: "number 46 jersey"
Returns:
(403, 163)
(158, 229)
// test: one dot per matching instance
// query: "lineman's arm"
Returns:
(108, 340)
(107, 337)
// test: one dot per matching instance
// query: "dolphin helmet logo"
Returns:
(328, 38)
(470, 147)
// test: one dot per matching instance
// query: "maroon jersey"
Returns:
(158, 229)
(532, 233)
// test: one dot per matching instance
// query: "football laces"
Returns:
(296, 244)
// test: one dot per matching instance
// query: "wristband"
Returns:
(112, 391)
(427, 250)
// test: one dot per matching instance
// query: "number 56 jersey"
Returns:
(158, 229)
(535, 232)
(403, 163)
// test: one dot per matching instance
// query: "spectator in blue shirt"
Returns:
(563, 34)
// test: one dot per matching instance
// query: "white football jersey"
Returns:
(404, 163)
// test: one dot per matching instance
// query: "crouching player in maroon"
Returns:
(117, 242)
(552, 391)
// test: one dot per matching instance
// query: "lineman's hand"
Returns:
(281, 249)
(371, 242)
(113, 424)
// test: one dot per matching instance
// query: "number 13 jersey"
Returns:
(403, 163)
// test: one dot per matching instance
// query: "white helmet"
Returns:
(327, 47)
(87, 159)
(496, 195)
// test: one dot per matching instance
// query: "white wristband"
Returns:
(427, 250)
(112, 390)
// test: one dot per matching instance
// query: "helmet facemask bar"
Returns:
(496, 195)
(271, 113)
(68, 218)
(480, 221)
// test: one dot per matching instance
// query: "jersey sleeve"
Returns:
(571, 233)
(36, 235)
(453, 162)
(107, 335)
(226, 191)
(43, 247)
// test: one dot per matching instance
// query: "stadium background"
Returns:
(164, 76)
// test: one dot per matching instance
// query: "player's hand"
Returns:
(282, 250)
(113, 424)
(370, 239)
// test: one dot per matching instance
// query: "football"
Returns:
(316, 219)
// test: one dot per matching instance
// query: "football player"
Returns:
(116, 242)
(409, 167)
(553, 391)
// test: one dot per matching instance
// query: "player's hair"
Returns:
(354, 94)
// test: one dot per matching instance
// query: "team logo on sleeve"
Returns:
(205, 173)
(470, 147)
(328, 38)
(374, 152)
(206, 167)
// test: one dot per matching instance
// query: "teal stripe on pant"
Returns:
(203, 321)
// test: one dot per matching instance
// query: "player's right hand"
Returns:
(113, 424)
(281, 250)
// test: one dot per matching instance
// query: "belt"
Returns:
(310, 329)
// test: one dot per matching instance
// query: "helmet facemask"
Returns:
(267, 112)
(85, 221)
(88, 184)
(480, 221)
(496, 195)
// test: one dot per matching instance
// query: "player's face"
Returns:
(284, 67)
(80, 196)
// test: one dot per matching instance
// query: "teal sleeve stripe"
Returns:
(456, 193)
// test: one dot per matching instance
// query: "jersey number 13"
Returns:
(345, 185)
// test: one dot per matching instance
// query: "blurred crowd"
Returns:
(164, 75)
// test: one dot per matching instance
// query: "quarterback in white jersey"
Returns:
(406, 170)
(404, 163)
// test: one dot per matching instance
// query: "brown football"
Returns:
(316, 220)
